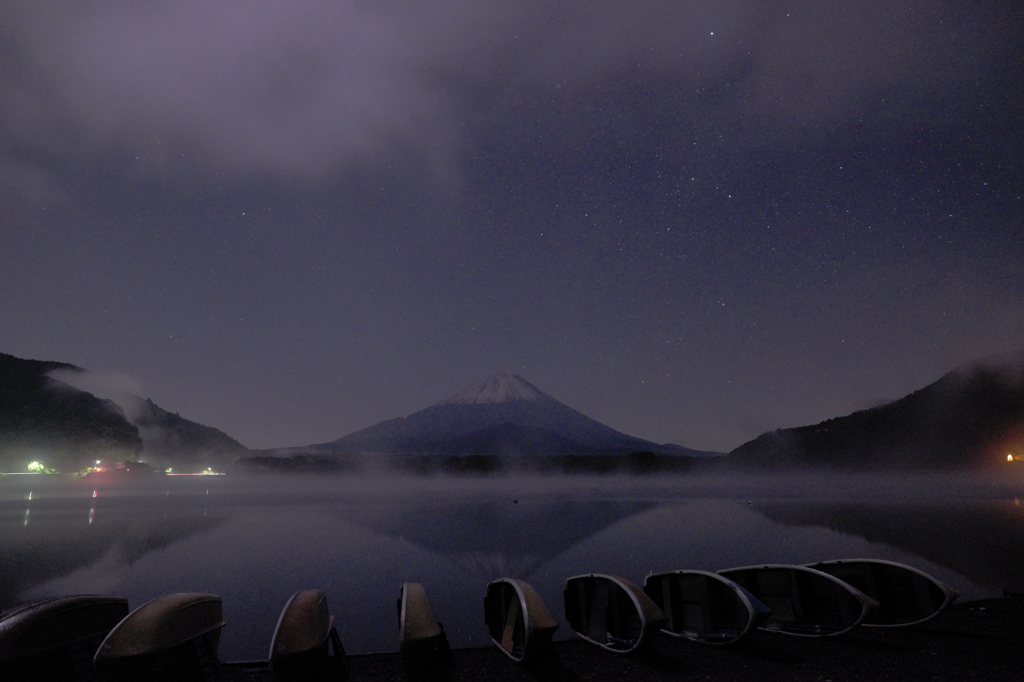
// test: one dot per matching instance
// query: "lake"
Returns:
(257, 540)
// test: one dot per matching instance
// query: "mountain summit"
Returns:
(503, 413)
(497, 388)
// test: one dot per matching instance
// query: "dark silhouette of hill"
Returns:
(170, 440)
(42, 416)
(971, 417)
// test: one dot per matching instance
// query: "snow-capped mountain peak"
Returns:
(497, 388)
(504, 412)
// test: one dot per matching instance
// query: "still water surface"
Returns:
(255, 541)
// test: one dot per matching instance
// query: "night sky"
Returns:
(692, 221)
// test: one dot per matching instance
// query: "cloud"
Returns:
(310, 86)
(28, 183)
(121, 389)
(292, 87)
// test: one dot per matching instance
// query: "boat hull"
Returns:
(517, 619)
(55, 639)
(172, 638)
(611, 612)
(906, 596)
(300, 648)
(705, 607)
(422, 640)
(804, 602)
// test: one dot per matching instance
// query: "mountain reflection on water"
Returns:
(257, 541)
(505, 537)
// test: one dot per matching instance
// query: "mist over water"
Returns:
(256, 540)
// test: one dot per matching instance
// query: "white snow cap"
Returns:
(497, 388)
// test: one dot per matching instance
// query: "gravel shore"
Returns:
(979, 640)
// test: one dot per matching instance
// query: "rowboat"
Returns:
(611, 612)
(300, 648)
(704, 607)
(804, 602)
(905, 595)
(172, 638)
(422, 640)
(517, 620)
(53, 640)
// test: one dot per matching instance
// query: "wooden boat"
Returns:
(300, 648)
(905, 595)
(171, 638)
(517, 620)
(611, 612)
(705, 607)
(804, 602)
(422, 640)
(56, 639)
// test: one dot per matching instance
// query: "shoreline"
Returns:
(976, 639)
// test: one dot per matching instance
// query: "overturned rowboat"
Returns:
(705, 607)
(54, 640)
(804, 602)
(905, 595)
(172, 638)
(300, 648)
(611, 612)
(422, 640)
(517, 619)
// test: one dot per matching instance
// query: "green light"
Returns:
(36, 467)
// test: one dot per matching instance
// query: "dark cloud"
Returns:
(309, 86)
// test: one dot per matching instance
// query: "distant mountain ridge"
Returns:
(971, 417)
(502, 413)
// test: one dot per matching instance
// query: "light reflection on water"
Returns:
(255, 542)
